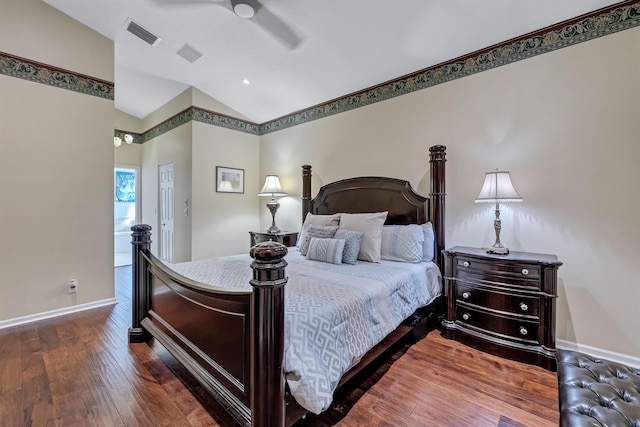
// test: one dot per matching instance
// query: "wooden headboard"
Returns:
(378, 194)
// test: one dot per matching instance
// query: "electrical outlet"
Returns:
(73, 286)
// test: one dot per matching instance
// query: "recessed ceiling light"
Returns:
(246, 82)
(243, 10)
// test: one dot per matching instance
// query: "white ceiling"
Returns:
(345, 45)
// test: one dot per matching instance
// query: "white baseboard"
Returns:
(598, 352)
(55, 313)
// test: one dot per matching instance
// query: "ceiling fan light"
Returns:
(243, 10)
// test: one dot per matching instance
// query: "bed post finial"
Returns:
(306, 190)
(141, 242)
(267, 334)
(437, 159)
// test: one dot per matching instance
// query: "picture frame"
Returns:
(229, 180)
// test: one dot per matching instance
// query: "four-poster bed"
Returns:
(233, 340)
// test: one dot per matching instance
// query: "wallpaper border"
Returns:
(599, 23)
(596, 24)
(15, 66)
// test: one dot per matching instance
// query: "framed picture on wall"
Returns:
(229, 180)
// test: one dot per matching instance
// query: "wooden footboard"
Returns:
(232, 342)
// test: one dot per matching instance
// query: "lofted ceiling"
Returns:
(297, 53)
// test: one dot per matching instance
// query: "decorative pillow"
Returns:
(317, 220)
(326, 250)
(402, 243)
(429, 241)
(371, 225)
(352, 241)
(315, 231)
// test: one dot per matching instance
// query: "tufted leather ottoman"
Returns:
(597, 392)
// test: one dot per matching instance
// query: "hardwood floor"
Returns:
(79, 370)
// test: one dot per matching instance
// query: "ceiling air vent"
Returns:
(141, 33)
(189, 53)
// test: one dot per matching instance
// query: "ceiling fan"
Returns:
(254, 11)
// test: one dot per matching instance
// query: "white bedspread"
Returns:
(334, 313)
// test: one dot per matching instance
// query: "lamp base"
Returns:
(273, 229)
(497, 250)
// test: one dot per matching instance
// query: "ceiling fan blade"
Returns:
(277, 27)
(180, 3)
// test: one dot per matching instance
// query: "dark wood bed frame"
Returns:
(232, 342)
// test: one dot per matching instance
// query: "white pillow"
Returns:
(317, 220)
(371, 225)
(402, 243)
(429, 241)
(326, 250)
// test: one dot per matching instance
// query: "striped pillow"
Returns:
(325, 250)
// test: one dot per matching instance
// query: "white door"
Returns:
(165, 177)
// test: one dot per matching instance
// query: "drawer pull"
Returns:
(524, 306)
(525, 272)
(466, 316)
(466, 264)
(523, 330)
(466, 295)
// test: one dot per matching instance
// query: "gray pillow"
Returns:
(325, 250)
(315, 231)
(352, 241)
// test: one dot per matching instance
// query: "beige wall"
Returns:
(56, 174)
(171, 147)
(564, 124)
(215, 224)
(221, 221)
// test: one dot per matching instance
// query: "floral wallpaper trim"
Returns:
(581, 29)
(26, 69)
(596, 24)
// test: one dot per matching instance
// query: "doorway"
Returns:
(166, 218)
(126, 191)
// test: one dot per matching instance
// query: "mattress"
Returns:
(334, 314)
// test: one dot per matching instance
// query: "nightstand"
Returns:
(502, 304)
(287, 238)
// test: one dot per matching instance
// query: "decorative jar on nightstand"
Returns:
(287, 238)
(502, 304)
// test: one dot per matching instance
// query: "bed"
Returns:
(229, 332)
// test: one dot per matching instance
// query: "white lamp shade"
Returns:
(272, 187)
(497, 188)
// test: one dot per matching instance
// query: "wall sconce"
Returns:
(272, 189)
(117, 142)
(497, 188)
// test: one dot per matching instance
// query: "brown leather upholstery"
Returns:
(597, 392)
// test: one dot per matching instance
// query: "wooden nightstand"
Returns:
(502, 304)
(287, 238)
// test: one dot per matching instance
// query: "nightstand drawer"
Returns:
(502, 326)
(499, 300)
(514, 274)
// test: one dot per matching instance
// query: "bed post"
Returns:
(141, 241)
(306, 190)
(267, 335)
(437, 159)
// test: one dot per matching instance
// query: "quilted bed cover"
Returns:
(334, 313)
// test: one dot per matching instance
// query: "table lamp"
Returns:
(497, 188)
(272, 189)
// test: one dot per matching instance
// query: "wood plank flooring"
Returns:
(79, 370)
